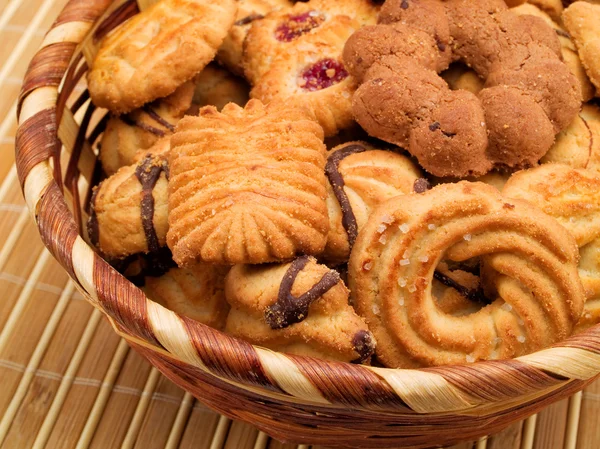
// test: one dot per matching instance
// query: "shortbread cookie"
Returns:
(300, 308)
(582, 21)
(360, 178)
(127, 134)
(568, 50)
(529, 95)
(571, 196)
(579, 145)
(196, 292)
(156, 51)
(313, 76)
(247, 185)
(553, 8)
(129, 209)
(531, 278)
(292, 28)
(230, 53)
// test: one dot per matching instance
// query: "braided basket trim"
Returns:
(481, 387)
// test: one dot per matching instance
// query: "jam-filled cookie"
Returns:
(150, 55)
(299, 307)
(230, 53)
(291, 28)
(360, 178)
(196, 292)
(247, 185)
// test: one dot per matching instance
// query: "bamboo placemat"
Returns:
(68, 381)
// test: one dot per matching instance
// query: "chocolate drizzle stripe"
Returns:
(147, 174)
(332, 170)
(157, 118)
(151, 129)
(248, 19)
(364, 344)
(472, 295)
(290, 309)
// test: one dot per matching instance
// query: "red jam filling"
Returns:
(296, 26)
(321, 75)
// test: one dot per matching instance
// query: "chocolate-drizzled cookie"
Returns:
(129, 209)
(299, 307)
(360, 178)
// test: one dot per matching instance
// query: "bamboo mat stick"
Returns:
(140, 411)
(9, 12)
(9, 181)
(528, 432)
(183, 414)
(18, 51)
(35, 360)
(481, 443)
(261, 441)
(103, 395)
(11, 240)
(220, 433)
(23, 299)
(573, 420)
(67, 380)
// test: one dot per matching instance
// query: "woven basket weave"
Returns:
(294, 399)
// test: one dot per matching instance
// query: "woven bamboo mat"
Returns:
(67, 381)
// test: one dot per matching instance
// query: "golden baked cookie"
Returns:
(579, 145)
(529, 273)
(582, 21)
(156, 51)
(360, 178)
(127, 134)
(247, 185)
(459, 76)
(313, 76)
(553, 8)
(230, 53)
(569, 52)
(196, 292)
(291, 28)
(571, 196)
(300, 308)
(129, 209)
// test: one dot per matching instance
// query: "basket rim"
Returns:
(449, 389)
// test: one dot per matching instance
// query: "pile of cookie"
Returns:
(406, 183)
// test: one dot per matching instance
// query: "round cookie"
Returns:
(360, 178)
(300, 308)
(571, 196)
(129, 209)
(402, 100)
(459, 76)
(231, 51)
(579, 144)
(197, 292)
(284, 30)
(530, 276)
(589, 271)
(313, 77)
(156, 51)
(247, 185)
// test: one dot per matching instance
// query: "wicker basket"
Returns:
(294, 399)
